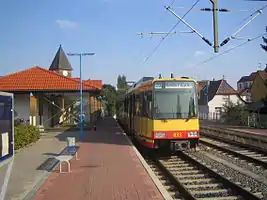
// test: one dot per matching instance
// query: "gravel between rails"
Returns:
(237, 177)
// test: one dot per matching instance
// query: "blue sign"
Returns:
(6, 127)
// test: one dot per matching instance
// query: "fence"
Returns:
(247, 119)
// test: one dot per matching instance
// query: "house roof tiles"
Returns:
(40, 79)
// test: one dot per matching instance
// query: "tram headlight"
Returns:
(160, 135)
(192, 134)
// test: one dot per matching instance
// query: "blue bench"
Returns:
(66, 155)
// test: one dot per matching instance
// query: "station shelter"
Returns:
(51, 97)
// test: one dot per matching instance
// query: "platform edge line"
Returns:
(151, 174)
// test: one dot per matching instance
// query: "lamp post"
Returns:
(81, 90)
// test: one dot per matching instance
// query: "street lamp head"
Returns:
(80, 54)
(73, 54)
(88, 54)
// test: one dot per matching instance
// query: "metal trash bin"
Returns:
(70, 141)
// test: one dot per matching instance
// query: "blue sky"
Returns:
(31, 32)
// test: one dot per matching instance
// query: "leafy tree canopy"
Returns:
(109, 97)
(122, 82)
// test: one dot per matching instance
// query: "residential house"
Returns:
(48, 97)
(213, 95)
(259, 99)
(244, 86)
(259, 86)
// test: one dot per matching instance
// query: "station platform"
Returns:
(244, 129)
(108, 168)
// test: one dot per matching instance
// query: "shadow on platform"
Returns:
(107, 131)
(48, 164)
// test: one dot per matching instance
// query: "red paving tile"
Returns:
(108, 169)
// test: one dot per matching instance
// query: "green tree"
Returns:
(122, 86)
(110, 97)
(122, 82)
(235, 114)
(264, 46)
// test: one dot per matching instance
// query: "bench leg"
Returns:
(60, 170)
(76, 156)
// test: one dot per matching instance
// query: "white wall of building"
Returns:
(22, 106)
(215, 106)
(219, 100)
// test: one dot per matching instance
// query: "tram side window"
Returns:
(142, 104)
(149, 104)
(129, 106)
(145, 105)
(137, 105)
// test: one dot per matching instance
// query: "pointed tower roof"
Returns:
(60, 61)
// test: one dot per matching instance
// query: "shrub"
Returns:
(25, 134)
(235, 114)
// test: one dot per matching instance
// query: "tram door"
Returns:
(132, 111)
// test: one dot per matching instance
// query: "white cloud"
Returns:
(198, 53)
(67, 24)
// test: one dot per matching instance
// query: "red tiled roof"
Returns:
(243, 92)
(37, 78)
(225, 89)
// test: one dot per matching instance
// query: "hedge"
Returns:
(25, 134)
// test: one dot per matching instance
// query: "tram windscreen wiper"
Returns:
(191, 110)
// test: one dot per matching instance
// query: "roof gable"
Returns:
(219, 87)
(200, 85)
(40, 79)
(225, 88)
(209, 88)
(60, 61)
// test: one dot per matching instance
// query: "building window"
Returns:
(218, 109)
(240, 86)
(226, 98)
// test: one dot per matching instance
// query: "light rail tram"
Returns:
(162, 113)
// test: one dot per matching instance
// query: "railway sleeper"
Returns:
(192, 176)
(177, 168)
(173, 165)
(221, 198)
(210, 193)
(187, 172)
(176, 195)
(204, 186)
(196, 181)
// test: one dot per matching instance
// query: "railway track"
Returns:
(187, 178)
(256, 157)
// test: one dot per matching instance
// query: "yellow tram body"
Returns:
(146, 112)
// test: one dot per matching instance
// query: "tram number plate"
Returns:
(177, 134)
